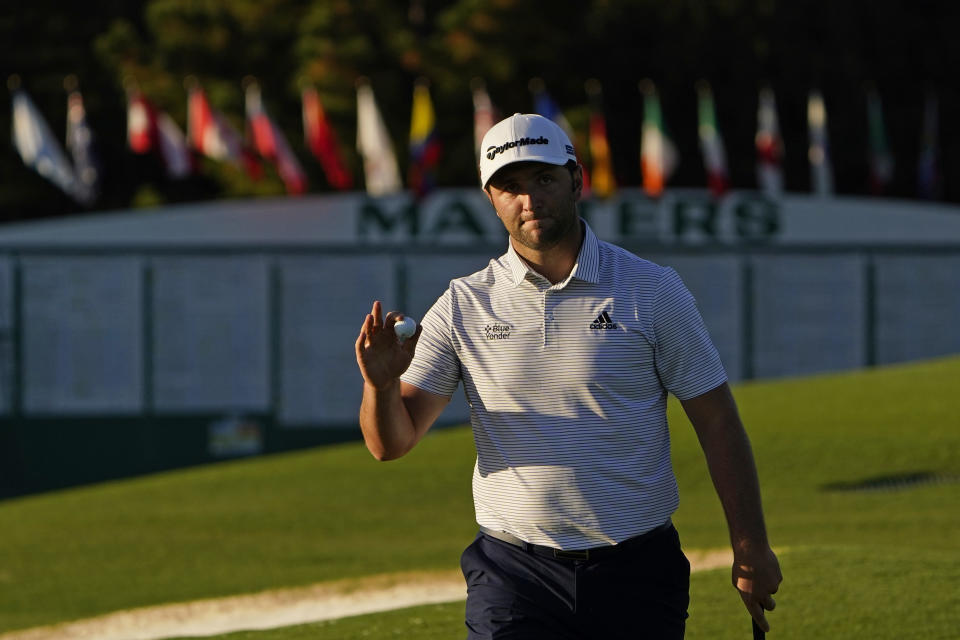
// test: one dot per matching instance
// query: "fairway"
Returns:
(859, 474)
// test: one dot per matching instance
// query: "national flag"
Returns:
(322, 141)
(141, 124)
(173, 147)
(39, 148)
(658, 156)
(212, 135)
(769, 145)
(546, 106)
(381, 174)
(82, 146)
(881, 159)
(928, 162)
(425, 146)
(821, 169)
(603, 183)
(711, 143)
(484, 113)
(271, 144)
(149, 129)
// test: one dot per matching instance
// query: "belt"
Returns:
(574, 554)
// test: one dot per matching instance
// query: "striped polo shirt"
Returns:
(567, 386)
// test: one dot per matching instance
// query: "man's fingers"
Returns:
(756, 602)
(391, 319)
(379, 328)
(366, 329)
(757, 612)
(758, 633)
(756, 605)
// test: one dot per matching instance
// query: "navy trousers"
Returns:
(639, 591)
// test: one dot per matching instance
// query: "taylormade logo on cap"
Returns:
(493, 151)
(523, 137)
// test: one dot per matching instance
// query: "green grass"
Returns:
(870, 564)
(232, 528)
(833, 592)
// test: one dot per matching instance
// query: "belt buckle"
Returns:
(581, 554)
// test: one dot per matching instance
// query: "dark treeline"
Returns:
(903, 48)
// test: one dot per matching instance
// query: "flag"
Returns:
(38, 147)
(881, 160)
(424, 144)
(211, 134)
(141, 124)
(380, 170)
(603, 183)
(82, 146)
(928, 163)
(149, 129)
(322, 141)
(658, 156)
(711, 143)
(769, 145)
(545, 105)
(271, 144)
(821, 171)
(173, 147)
(484, 113)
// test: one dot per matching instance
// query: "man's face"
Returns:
(536, 202)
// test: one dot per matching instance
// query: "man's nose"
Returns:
(530, 198)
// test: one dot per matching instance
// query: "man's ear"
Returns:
(577, 175)
(486, 191)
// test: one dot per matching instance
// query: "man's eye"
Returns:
(546, 178)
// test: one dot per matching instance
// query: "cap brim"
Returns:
(554, 160)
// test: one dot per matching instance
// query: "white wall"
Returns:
(274, 331)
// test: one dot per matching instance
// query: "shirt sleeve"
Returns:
(686, 359)
(435, 366)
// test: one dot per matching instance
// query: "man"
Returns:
(567, 348)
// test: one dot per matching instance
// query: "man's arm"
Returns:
(393, 415)
(756, 571)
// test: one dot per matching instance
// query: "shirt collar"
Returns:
(587, 266)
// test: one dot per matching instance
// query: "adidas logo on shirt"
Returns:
(603, 321)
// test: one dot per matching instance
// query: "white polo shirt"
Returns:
(567, 386)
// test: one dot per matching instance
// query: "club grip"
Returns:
(758, 633)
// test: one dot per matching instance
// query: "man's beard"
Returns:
(550, 236)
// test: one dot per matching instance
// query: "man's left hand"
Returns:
(756, 575)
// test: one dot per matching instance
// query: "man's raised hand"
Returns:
(380, 355)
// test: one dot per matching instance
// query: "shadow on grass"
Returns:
(892, 482)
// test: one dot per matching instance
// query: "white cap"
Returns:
(523, 137)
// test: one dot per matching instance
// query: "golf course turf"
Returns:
(860, 473)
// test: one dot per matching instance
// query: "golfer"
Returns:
(567, 347)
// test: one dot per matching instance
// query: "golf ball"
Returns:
(405, 328)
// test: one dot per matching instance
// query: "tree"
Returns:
(736, 45)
